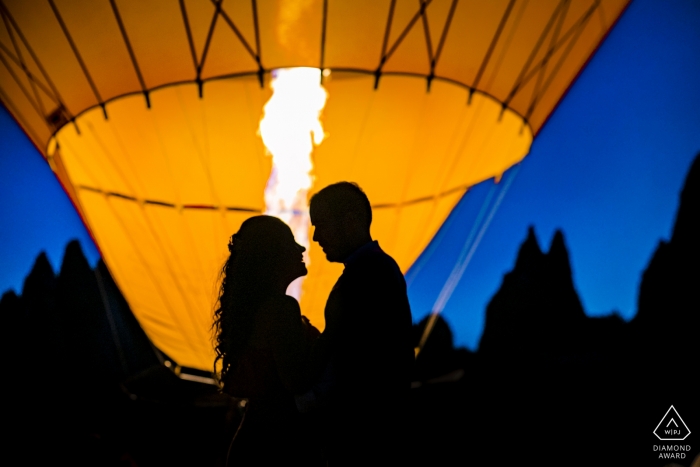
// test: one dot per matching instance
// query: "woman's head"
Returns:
(265, 250)
(264, 259)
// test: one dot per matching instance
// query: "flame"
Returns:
(290, 128)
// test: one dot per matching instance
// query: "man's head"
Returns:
(341, 216)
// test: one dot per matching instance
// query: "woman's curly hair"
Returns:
(245, 283)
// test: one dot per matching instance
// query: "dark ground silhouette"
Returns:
(552, 385)
(86, 385)
(548, 385)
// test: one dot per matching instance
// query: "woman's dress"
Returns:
(268, 373)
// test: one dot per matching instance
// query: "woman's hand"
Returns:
(309, 330)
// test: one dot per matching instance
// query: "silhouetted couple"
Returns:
(337, 397)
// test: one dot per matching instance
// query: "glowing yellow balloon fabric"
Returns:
(148, 112)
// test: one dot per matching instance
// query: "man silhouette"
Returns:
(365, 352)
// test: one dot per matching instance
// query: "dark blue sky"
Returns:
(35, 213)
(607, 169)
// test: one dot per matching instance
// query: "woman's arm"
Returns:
(289, 339)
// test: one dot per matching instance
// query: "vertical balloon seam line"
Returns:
(110, 160)
(146, 267)
(207, 42)
(324, 23)
(413, 154)
(42, 70)
(127, 157)
(201, 157)
(443, 36)
(465, 135)
(78, 57)
(559, 64)
(127, 43)
(84, 167)
(23, 65)
(452, 153)
(574, 30)
(441, 169)
(411, 170)
(203, 321)
(186, 228)
(166, 158)
(190, 39)
(100, 164)
(407, 29)
(110, 320)
(492, 47)
(361, 133)
(171, 270)
(29, 74)
(526, 67)
(545, 61)
(253, 123)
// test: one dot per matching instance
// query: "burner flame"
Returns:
(290, 128)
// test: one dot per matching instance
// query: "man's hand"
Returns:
(309, 330)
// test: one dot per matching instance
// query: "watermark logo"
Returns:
(671, 427)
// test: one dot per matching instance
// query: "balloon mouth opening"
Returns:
(330, 78)
(61, 119)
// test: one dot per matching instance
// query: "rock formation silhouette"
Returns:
(667, 324)
(537, 311)
(87, 386)
(549, 382)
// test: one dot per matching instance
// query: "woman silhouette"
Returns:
(262, 341)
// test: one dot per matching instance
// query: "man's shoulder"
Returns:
(375, 259)
(374, 252)
(375, 266)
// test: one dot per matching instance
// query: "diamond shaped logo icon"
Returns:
(671, 427)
